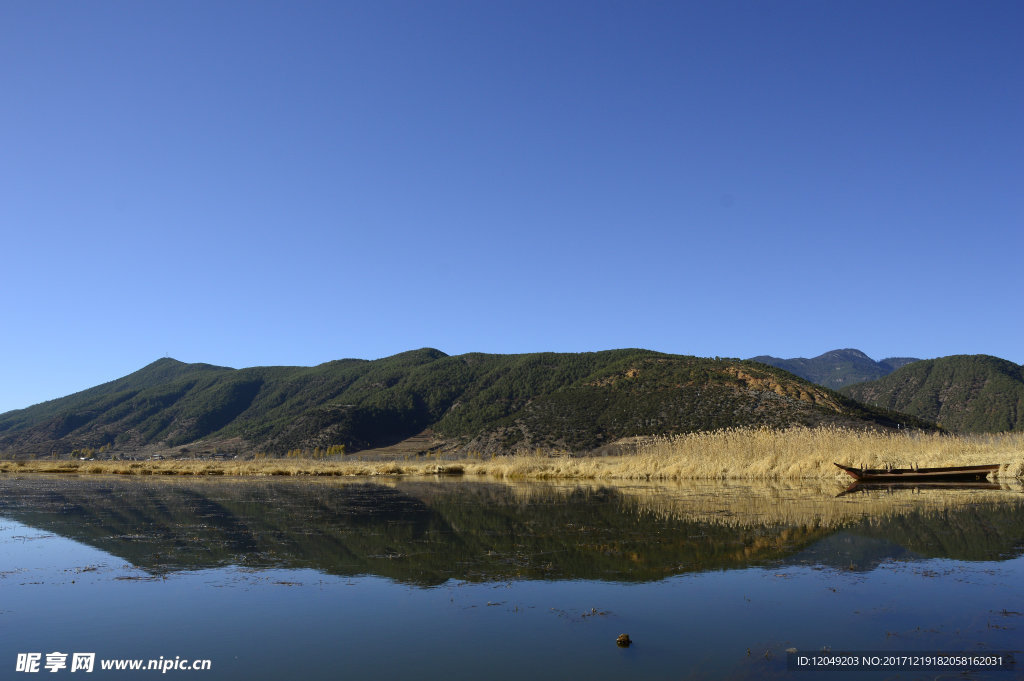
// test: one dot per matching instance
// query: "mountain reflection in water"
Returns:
(427, 532)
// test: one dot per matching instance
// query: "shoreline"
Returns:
(514, 468)
(735, 454)
(738, 454)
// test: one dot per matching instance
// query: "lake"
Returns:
(454, 579)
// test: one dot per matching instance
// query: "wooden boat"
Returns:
(947, 474)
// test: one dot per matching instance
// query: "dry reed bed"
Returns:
(736, 454)
(810, 452)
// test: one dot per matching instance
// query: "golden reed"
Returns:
(732, 454)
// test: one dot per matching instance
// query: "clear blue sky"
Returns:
(250, 183)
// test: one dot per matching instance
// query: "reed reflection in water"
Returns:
(427, 532)
(441, 579)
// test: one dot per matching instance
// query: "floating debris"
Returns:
(623, 641)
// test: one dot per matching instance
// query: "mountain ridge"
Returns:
(965, 393)
(574, 401)
(836, 369)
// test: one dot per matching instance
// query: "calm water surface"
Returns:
(456, 579)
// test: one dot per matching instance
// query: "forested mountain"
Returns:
(487, 402)
(964, 393)
(837, 368)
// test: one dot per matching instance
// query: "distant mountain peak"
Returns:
(837, 368)
(845, 352)
(165, 361)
